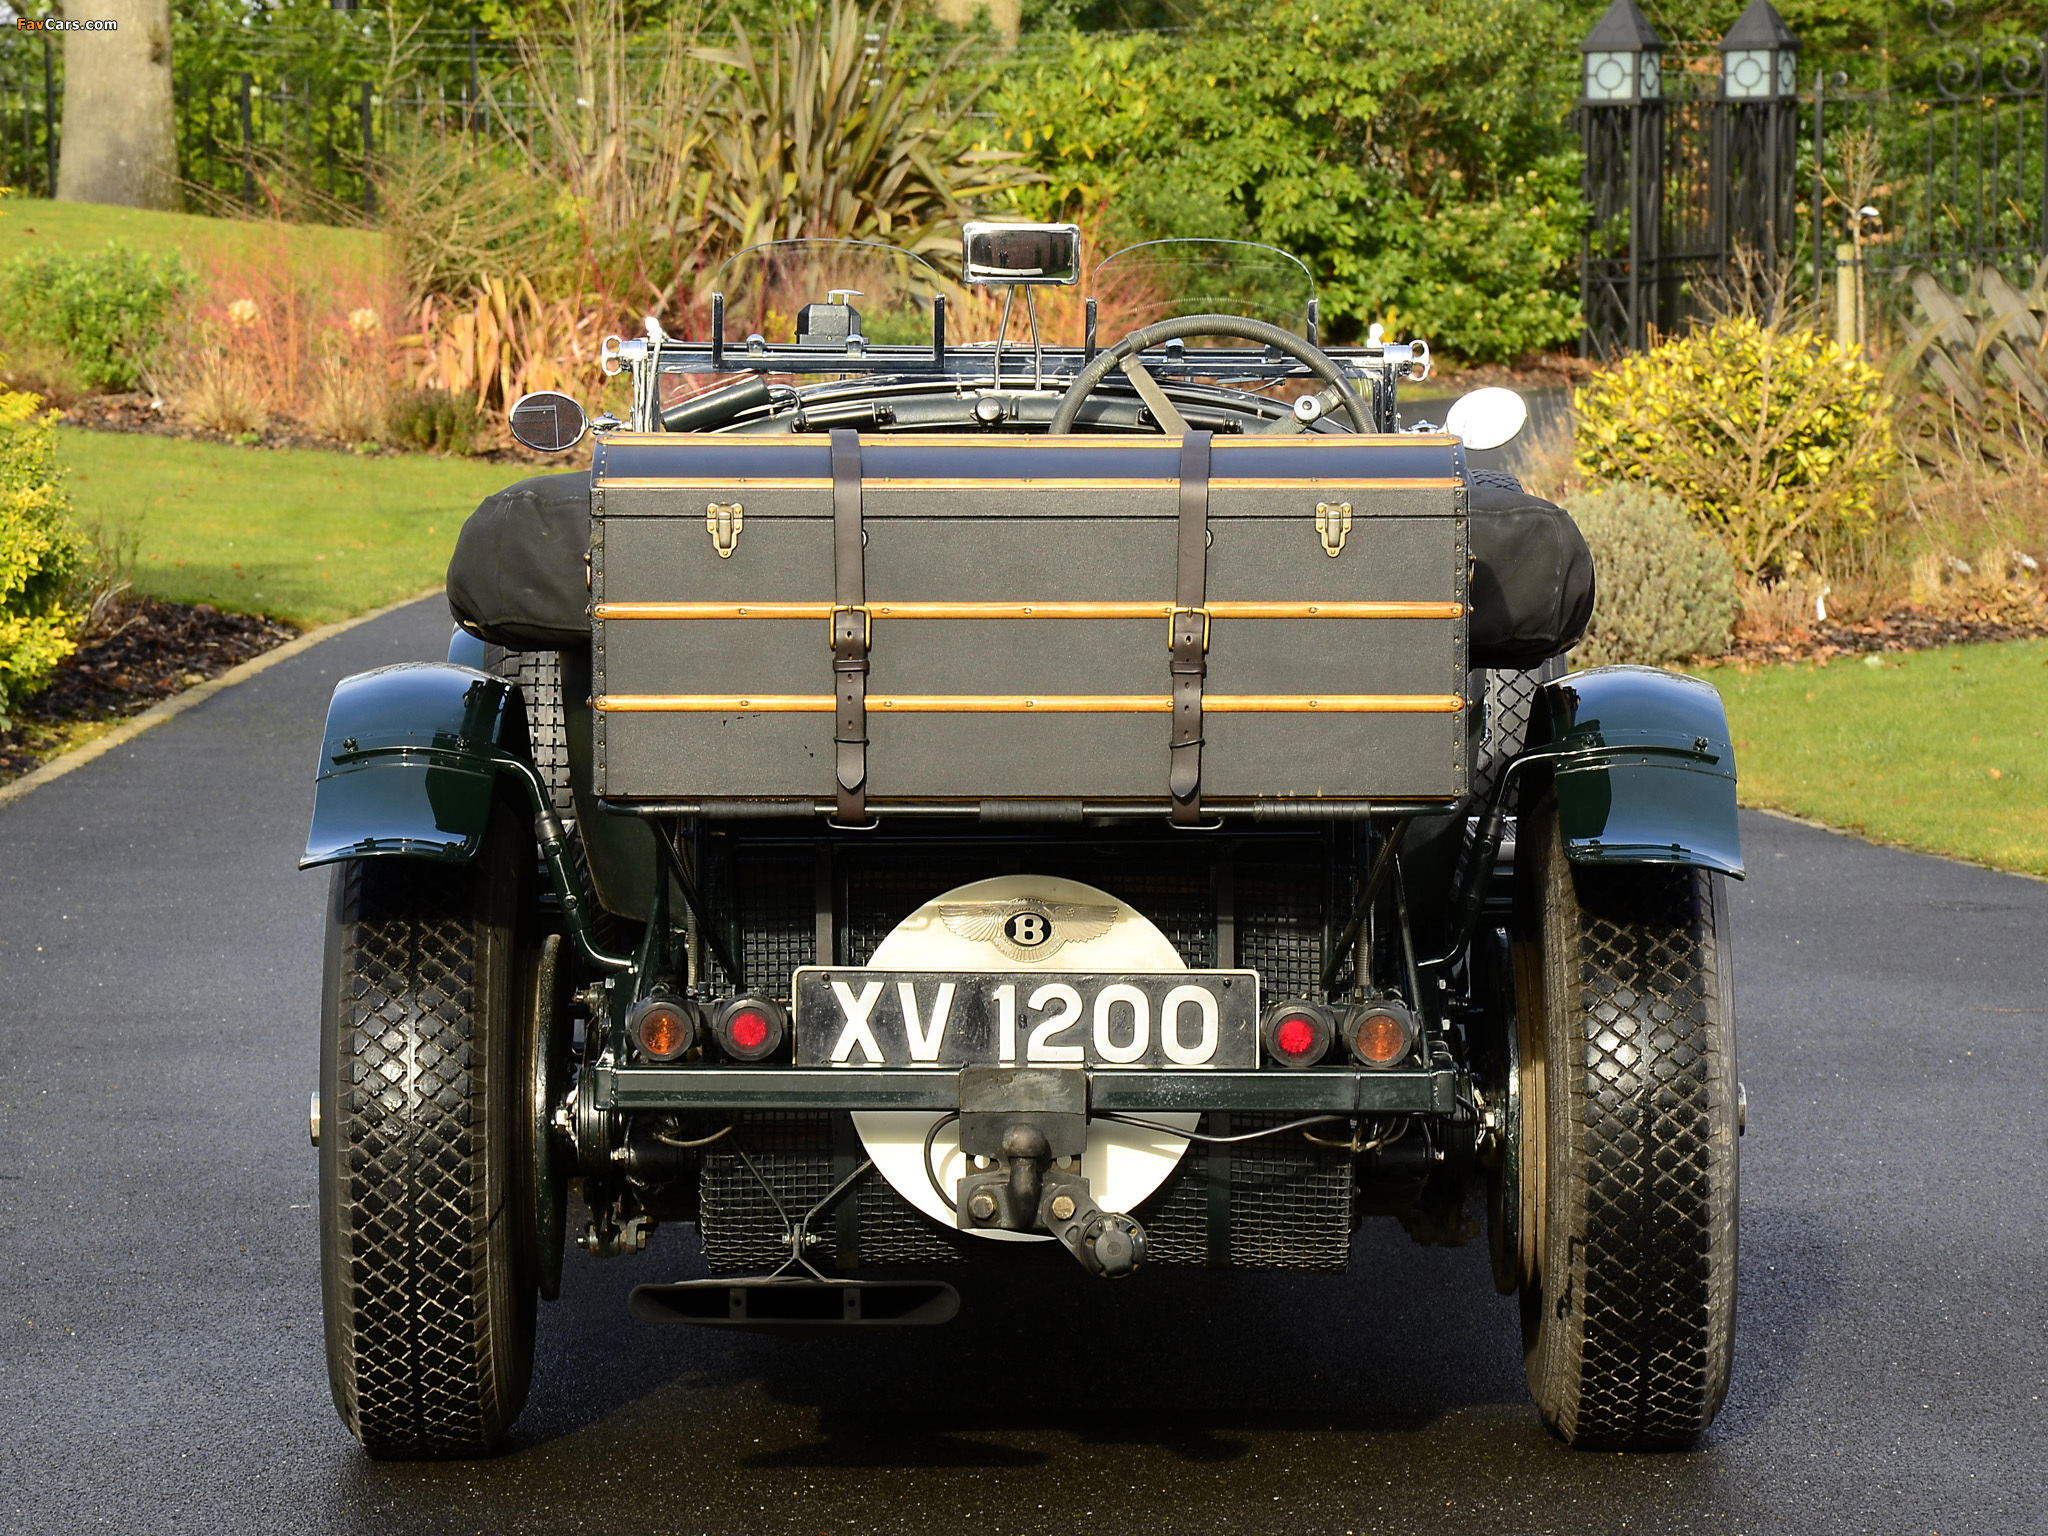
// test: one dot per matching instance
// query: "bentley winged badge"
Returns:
(1028, 930)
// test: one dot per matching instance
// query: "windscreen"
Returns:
(767, 286)
(1161, 279)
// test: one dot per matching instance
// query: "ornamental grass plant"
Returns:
(667, 149)
(1972, 381)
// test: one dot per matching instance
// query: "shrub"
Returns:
(433, 419)
(1665, 588)
(1776, 437)
(105, 310)
(1413, 154)
(41, 554)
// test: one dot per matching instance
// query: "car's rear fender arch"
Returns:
(1643, 766)
(410, 761)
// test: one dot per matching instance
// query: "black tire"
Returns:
(539, 676)
(427, 1297)
(1510, 700)
(1628, 1324)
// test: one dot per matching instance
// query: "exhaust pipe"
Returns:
(756, 1302)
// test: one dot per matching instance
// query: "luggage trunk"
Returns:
(1013, 602)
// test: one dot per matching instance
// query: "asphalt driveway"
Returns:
(160, 1361)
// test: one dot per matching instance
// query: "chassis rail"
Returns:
(1310, 1091)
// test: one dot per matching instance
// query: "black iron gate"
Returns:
(1697, 154)
(1691, 156)
(1960, 137)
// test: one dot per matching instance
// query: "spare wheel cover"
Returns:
(1123, 1164)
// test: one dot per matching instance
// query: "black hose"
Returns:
(931, 1176)
(717, 408)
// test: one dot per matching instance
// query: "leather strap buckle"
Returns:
(842, 636)
(1188, 642)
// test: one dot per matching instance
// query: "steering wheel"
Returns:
(1313, 358)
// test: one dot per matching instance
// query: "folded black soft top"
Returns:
(1532, 575)
(519, 577)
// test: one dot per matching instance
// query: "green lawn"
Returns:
(1937, 750)
(305, 536)
(89, 226)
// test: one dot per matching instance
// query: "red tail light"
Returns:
(750, 1028)
(664, 1028)
(1298, 1034)
(1380, 1034)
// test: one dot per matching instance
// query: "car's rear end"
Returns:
(1006, 720)
(1124, 819)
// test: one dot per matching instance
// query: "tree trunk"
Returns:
(120, 138)
(1003, 15)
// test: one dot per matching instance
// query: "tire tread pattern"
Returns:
(1640, 1320)
(414, 1207)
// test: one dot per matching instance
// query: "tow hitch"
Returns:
(1031, 1123)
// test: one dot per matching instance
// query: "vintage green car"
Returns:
(917, 802)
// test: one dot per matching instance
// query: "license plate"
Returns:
(1172, 1019)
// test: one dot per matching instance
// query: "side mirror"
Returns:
(1487, 418)
(547, 421)
(1021, 253)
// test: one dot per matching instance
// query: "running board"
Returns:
(753, 1302)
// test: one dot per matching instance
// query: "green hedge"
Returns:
(1414, 152)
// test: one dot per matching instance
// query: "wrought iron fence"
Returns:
(245, 138)
(1683, 176)
(307, 111)
(1962, 158)
(30, 108)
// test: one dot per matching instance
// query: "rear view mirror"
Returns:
(1022, 253)
(1487, 418)
(547, 421)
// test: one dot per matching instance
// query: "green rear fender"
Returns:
(410, 761)
(1644, 769)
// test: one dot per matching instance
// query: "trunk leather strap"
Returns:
(849, 632)
(1189, 642)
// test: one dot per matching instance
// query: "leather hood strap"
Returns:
(849, 631)
(1190, 639)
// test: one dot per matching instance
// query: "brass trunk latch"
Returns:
(1333, 523)
(724, 523)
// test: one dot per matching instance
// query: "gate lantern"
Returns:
(1759, 57)
(1758, 139)
(1623, 57)
(1621, 126)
